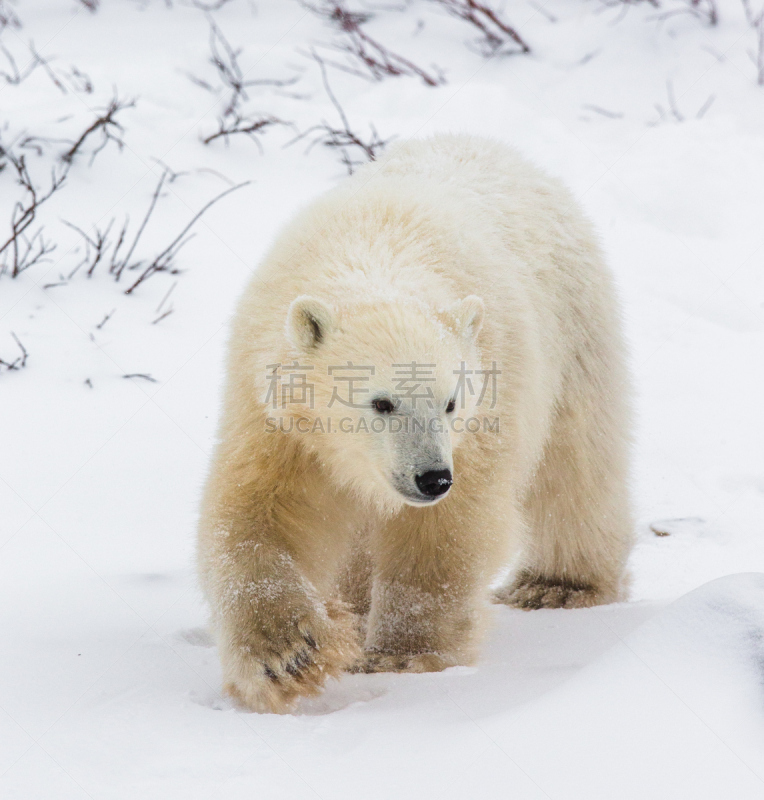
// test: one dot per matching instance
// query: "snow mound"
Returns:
(674, 710)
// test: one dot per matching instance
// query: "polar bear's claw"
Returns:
(273, 681)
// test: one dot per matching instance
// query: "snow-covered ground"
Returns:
(109, 685)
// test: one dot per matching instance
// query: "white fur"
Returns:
(448, 251)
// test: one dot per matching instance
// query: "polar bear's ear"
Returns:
(468, 316)
(308, 322)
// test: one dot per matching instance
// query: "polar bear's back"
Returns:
(480, 164)
(495, 190)
(488, 170)
(531, 224)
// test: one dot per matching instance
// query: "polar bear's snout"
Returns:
(425, 485)
(435, 482)
(421, 463)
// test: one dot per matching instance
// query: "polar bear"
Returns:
(426, 380)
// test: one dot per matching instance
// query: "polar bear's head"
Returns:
(382, 390)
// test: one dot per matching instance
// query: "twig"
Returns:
(233, 121)
(603, 111)
(118, 267)
(99, 244)
(120, 241)
(15, 76)
(541, 10)
(166, 297)
(702, 110)
(40, 61)
(163, 262)
(105, 319)
(162, 316)
(144, 375)
(80, 81)
(20, 362)
(496, 33)
(707, 9)
(8, 17)
(107, 125)
(25, 252)
(161, 305)
(343, 139)
(672, 102)
(233, 124)
(371, 54)
(36, 144)
(225, 59)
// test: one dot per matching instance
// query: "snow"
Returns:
(109, 685)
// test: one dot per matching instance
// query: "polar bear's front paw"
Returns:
(532, 592)
(395, 662)
(273, 678)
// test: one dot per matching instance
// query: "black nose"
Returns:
(435, 482)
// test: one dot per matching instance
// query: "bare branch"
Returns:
(8, 17)
(366, 51)
(144, 375)
(706, 9)
(225, 59)
(678, 116)
(166, 297)
(18, 363)
(106, 124)
(343, 139)
(80, 81)
(603, 111)
(99, 244)
(541, 10)
(120, 241)
(702, 110)
(162, 316)
(106, 318)
(118, 267)
(496, 33)
(15, 76)
(233, 124)
(25, 252)
(43, 62)
(234, 121)
(164, 261)
(170, 308)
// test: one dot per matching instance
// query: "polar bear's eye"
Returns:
(451, 406)
(383, 405)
